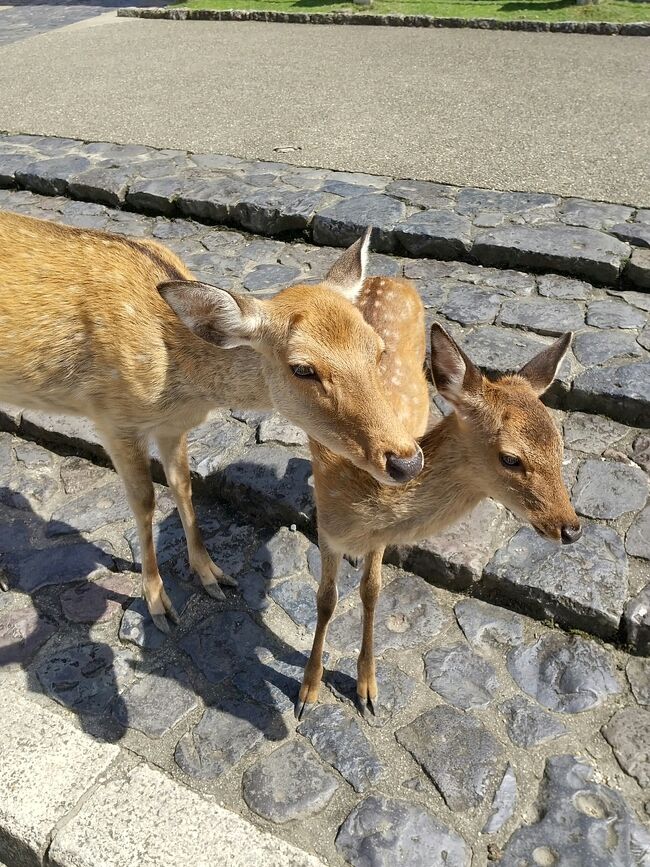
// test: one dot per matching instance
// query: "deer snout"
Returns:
(403, 469)
(570, 533)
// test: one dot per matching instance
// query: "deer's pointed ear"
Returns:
(223, 318)
(349, 271)
(541, 370)
(453, 372)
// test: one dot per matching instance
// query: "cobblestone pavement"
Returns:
(502, 317)
(22, 19)
(496, 738)
(499, 736)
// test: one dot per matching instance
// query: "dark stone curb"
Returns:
(530, 231)
(598, 28)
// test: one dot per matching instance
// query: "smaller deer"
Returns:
(116, 330)
(499, 441)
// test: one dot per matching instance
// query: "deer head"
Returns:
(321, 360)
(511, 447)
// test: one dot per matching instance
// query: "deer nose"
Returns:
(404, 469)
(571, 534)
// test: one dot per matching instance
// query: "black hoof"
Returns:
(215, 591)
(302, 709)
(160, 622)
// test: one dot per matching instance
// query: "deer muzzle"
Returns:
(403, 469)
(570, 533)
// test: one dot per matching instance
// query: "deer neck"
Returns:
(445, 491)
(357, 514)
(447, 487)
(223, 377)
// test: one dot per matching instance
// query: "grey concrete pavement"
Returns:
(148, 820)
(546, 112)
(46, 766)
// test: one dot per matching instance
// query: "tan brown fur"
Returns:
(462, 465)
(116, 330)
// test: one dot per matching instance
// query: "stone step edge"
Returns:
(597, 28)
(628, 267)
(266, 511)
(61, 840)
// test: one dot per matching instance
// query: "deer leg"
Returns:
(130, 458)
(369, 591)
(173, 452)
(326, 603)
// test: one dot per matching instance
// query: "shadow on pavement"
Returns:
(221, 653)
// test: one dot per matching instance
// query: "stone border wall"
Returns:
(607, 244)
(592, 28)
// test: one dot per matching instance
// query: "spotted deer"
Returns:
(499, 441)
(118, 331)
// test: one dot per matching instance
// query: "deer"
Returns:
(498, 441)
(117, 330)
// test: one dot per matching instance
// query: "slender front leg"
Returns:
(326, 603)
(130, 458)
(369, 590)
(173, 452)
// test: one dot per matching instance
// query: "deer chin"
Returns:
(381, 476)
(546, 534)
(551, 535)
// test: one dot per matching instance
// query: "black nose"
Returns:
(404, 469)
(571, 534)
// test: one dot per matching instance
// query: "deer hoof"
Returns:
(302, 709)
(160, 622)
(228, 580)
(367, 706)
(215, 591)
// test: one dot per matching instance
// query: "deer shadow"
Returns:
(221, 654)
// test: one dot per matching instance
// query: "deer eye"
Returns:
(304, 371)
(509, 461)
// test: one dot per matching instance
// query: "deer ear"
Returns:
(223, 318)
(541, 370)
(453, 372)
(347, 274)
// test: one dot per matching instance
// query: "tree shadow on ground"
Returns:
(344, 4)
(220, 654)
(537, 6)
